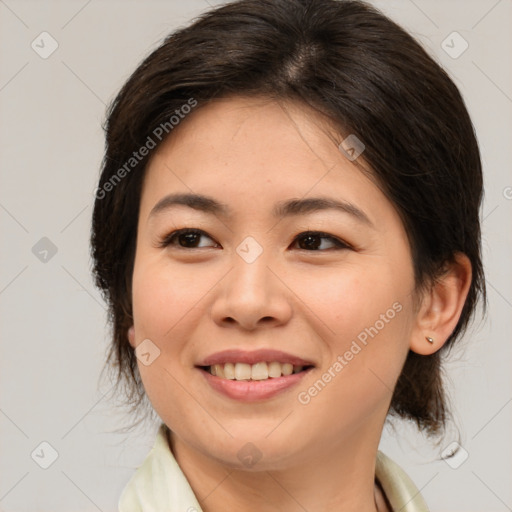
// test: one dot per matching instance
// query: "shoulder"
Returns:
(158, 484)
(398, 488)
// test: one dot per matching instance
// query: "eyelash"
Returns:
(171, 238)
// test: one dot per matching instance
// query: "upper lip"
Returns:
(253, 357)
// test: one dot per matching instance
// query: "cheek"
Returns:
(365, 318)
(162, 295)
(165, 305)
(366, 355)
(353, 298)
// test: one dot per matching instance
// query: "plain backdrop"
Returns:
(53, 322)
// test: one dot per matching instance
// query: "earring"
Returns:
(429, 339)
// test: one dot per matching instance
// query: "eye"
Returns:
(187, 239)
(313, 241)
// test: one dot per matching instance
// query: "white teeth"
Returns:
(242, 371)
(274, 369)
(258, 371)
(287, 369)
(219, 370)
(229, 371)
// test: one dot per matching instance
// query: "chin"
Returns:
(253, 453)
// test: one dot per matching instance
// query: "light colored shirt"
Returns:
(159, 484)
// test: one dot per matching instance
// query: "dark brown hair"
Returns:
(349, 62)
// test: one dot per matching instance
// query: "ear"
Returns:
(441, 306)
(131, 336)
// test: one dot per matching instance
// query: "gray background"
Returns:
(53, 331)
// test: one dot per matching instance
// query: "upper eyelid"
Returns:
(165, 240)
(322, 234)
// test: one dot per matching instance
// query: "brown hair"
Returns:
(350, 62)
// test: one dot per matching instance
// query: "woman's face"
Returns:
(295, 259)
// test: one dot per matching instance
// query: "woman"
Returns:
(286, 231)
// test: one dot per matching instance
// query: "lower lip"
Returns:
(253, 390)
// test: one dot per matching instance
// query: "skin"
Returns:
(250, 153)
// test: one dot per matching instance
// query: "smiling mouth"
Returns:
(253, 372)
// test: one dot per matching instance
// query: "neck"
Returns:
(332, 479)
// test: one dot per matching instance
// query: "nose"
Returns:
(252, 295)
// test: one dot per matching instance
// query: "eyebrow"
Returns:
(281, 209)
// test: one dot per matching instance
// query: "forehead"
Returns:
(254, 127)
(247, 151)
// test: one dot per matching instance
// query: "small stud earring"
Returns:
(429, 339)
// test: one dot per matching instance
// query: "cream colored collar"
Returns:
(159, 485)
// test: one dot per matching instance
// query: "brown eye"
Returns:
(186, 239)
(314, 241)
